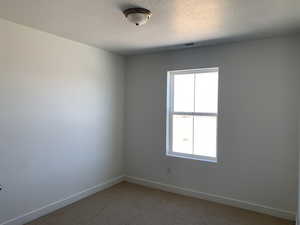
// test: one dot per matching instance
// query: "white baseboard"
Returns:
(34, 214)
(214, 198)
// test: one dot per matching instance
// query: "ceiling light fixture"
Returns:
(138, 16)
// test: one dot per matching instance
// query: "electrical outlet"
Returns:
(169, 171)
(2, 188)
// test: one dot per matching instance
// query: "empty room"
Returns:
(149, 112)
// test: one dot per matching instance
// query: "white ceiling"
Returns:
(174, 22)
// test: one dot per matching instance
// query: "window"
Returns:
(192, 114)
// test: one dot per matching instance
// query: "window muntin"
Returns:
(192, 114)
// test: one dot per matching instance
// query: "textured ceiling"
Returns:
(174, 22)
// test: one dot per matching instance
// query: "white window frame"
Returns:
(170, 113)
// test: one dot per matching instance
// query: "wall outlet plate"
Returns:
(2, 188)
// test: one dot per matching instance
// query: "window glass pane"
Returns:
(184, 93)
(183, 134)
(206, 92)
(205, 135)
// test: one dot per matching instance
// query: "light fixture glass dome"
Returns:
(138, 16)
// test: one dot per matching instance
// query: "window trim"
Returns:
(170, 113)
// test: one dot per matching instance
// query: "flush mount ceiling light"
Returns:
(138, 16)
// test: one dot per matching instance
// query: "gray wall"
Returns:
(298, 216)
(60, 120)
(258, 153)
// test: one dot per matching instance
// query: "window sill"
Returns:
(193, 157)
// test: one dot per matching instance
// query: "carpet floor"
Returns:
(131, 204)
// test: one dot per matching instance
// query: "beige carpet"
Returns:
(130, 204)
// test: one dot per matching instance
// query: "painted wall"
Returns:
(298, 216)
(60, 120)
(258, 155)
